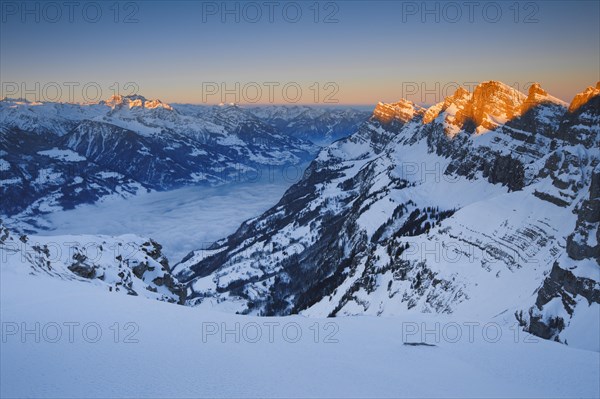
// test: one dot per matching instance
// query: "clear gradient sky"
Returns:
(376, 51)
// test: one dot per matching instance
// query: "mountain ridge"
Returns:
(353, 236)
(144, 144)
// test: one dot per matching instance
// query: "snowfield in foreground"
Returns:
(135, 347)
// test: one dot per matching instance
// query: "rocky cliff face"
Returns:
(582, 122)
(494, 103)
(584, 97)
(457, 112)
(402, 111)
(574, 279)
(461, 208)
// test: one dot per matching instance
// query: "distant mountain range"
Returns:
(484, 205)
(57, 155)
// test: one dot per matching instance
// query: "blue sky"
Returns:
(370, 50)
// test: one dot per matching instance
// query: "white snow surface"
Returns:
(62, 155)
(166, 351)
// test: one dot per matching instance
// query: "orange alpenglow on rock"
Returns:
(459, 102)
(537, 96)
(495, 102)
(583, 97)
(134, 101)
(492, 103)
(402, 111)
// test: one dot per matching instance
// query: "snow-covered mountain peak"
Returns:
(494, 89)
(583, 97)
(460, 96)
(537, 96)
(231, 115)
(491, 105)
(495, 103)
(133, 101)
(456, 104)
(402, 111)
(17, 101)
(536, 90)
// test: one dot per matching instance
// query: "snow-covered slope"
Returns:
(127, 264)
(122, 346)
(45, 118)
(40, 176)
(462, 208)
